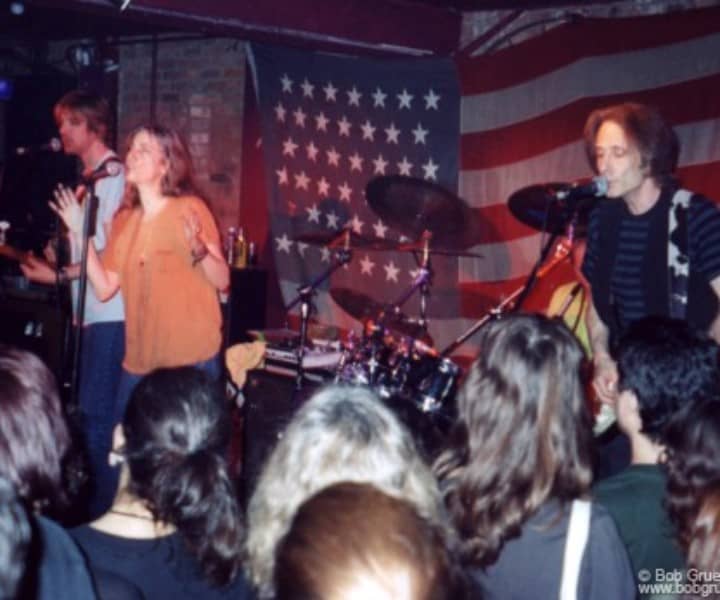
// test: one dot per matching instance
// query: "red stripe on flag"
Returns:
(681, 103)
(592, 37)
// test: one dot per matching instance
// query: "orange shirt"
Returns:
(172, 312)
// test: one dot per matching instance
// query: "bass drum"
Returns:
(412, 379)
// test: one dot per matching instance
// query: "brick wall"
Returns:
(199, 91)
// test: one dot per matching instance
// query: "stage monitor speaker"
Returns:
(270, 403)
(35, 326)
(245, 307)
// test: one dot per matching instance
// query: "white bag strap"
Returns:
(575, 542)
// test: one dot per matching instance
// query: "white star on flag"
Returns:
(344, 126)
(366, 266)
(333, 157)
(286, 84)
(312, 151)
(431, 100)
(419, 133)
(430, 169)
(299, 117)
(368, 131)
(345, 191)
(280, 112)
(282, 176)
(356, 162)
(354, 97)
(404, 100)
(325, 254)
(321, 122)
(380, 164)
(302, 246)
(301, 181)
(356, 224)
(289, 147)
(313, 214)
(405, 166)
(391, 271)
(392, 134)
(283, 243)
(307, 88)
(323, 186)
(330, 91)
(379, 98)
(380, 229)
(332, 220)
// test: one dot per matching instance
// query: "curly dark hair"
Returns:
(523, 434)
(704, 551)
(176, 434)
(693, 464)
(668, 366)
(645, 127)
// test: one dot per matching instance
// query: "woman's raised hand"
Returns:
(67, 207)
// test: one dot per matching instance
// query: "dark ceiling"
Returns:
(45, 20)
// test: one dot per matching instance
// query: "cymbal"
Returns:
(362, 307)
(334, 239)
(537, 206)
(413, 206)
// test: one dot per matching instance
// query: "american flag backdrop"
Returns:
(524, 108)
(329, 125)
(520, 113)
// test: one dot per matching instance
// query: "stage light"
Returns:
(17, 8)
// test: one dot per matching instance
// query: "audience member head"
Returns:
(692, 444)
(15, 534)
(165, 151)
(663, 367)
(353, 541)
(340, 434)
(87, 106)
(704, 550)
(523, 434)
(34, 437)
(176, 431)
(645, 129)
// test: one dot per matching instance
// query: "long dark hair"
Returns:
(523, 434)
(34, 437)
(176, 431)
(693, 464)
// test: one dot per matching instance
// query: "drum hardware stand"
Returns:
(304, 299)
(422, 282)
(562, 251)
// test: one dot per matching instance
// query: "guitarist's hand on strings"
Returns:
(67, 207)
(38, 270)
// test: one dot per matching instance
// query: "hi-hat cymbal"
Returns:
(413, 206)
(362, 307)
(537, 206)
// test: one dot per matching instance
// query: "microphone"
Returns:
(110, 168)
(52, 145)
(597, 186)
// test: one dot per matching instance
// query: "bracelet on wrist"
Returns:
(198, 253)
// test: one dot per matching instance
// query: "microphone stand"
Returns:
(304, 299)
(539, 271)
(89, 217)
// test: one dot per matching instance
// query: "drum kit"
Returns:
(394, 354)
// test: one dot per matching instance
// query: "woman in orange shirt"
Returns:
(165, 257)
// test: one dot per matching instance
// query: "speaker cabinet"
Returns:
(271, 400)
(246, 305)
(36, 326)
